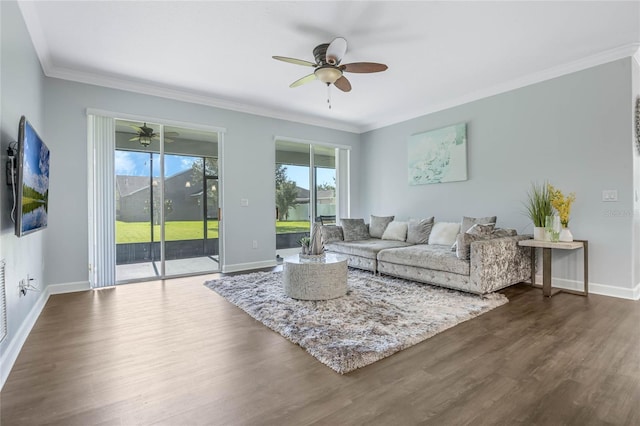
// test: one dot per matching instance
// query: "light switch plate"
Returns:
(244, 202)
(609, 195)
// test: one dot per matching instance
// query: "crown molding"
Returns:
(39, 41)
(34, 28)
(40, 44)
(190, 97)
(629, 50)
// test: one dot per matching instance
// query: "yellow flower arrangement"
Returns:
(562, 204)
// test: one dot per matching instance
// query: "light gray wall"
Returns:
(21, 93)
(573, 131)
(249, 158)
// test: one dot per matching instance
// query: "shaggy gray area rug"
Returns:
(378, 317)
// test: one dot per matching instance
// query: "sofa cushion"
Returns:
(378, 224)
(463, 247)
(418, 231)
(504, 232)
(429, 256)
(468, 222)
(331, 233)
(396, 231)
(476, 229)
(444, 233)
(479, 229)
(363, 248)
(354, 229)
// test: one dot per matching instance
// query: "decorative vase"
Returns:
(316, 247)
(566, 235)
(538, 233)
(552, 228)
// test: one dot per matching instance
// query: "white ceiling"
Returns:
(439, 54)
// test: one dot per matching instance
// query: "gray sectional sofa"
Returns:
(483, 260)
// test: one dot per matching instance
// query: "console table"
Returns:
(547, 247)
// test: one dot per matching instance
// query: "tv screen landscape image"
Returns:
(33, 180)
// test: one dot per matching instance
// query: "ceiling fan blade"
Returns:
(135, 138)
(168, 140)
(336, 50)
(294, 61)
(303, 80)
(343, 84)
(138, 129)
(172, 134)
(363, 67)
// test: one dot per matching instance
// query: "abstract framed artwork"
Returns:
(438, 155)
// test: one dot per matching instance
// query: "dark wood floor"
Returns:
(176, 353)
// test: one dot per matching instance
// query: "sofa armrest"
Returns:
(499, 262)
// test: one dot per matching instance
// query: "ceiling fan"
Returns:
(328, 69)
(145, 135)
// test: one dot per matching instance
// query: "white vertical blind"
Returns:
(3, 302)
(102, 141)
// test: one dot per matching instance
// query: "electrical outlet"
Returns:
(610, 195)
(22, 287)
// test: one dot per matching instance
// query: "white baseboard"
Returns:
(69, 287)
(238, 267)
(595, 288)
(13, 350)
(636, 292)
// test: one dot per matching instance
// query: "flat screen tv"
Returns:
(33, 181)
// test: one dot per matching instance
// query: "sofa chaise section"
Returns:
(494, 265)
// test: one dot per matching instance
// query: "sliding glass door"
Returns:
(325, 179)
(166, 193)
(306, 189)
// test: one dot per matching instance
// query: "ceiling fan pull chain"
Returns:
(329, 95)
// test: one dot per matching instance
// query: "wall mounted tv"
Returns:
(33, 181)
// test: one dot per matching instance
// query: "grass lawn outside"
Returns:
(287, 227)
(140, 232)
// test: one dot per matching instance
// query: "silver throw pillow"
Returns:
(331, 233)
(463, 244)
(378, 224)
(354, 229)
(504, 232)
(468, 222)
(479, 229)
(419, 230)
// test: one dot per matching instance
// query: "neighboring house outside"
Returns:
(132, 198)
(326, 204)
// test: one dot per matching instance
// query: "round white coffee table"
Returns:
(322, 279)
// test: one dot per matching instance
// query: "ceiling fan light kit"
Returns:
(328, 74)
(145, 141)
(328, 70)
(145, 135)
